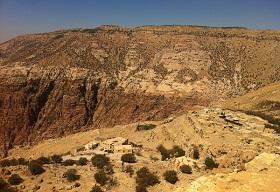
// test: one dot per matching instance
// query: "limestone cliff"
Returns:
(56, 83)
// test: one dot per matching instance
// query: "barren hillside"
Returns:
(245, 151)
(57, 83)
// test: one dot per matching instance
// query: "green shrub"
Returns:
(100, 161)
(96, 188)
(15, 179)
(56, 159)
(128, 158)
(145, 178)
(101, 177)
(35, 168)
(71, 175)
(210, 163)
(43, 160)
(68, 162)
(82, 161)
(170, 176)
(186, 169)
(145, 127)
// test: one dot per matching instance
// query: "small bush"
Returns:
(101, 177)
(5, 163)
(146, 178)
(128, 158)
(164, 152)
(35, 168)
(108, 169)
(186, 169)
(71, 175)
(68, 162)
(13, 162)
(177, 151)
(3, 184)
(15, 179)
(43, 160)
(82, 161)
(210, 163)
(129, 169)
(196, 154)
(145, 127)
(4, 187)
(22, 161)
(100, 161)
(141, 188)
(171, 176)
(56, 159)
(96, 188)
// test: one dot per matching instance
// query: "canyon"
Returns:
(63, 82)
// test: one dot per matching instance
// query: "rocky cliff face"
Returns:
(57, 83)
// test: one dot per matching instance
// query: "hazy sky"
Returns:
(31, 16)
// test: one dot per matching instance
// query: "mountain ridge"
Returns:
(58, 83)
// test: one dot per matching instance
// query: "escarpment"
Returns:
(57, 83)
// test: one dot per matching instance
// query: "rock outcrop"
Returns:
(61, 82)
(261, 174)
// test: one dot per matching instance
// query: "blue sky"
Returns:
(32, 16)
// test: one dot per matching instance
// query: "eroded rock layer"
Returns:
(57, 83)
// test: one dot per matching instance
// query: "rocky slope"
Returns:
(247, 154)
(61, 82)
(264, 102)
(261, 174)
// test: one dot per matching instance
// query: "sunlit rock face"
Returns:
(57, 83)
